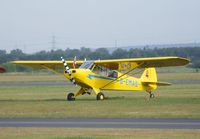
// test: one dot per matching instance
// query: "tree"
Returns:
(120, 53)
(3, 58)
(84, 53)
(100, 53)
(193, 53)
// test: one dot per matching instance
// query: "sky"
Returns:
(34, 25)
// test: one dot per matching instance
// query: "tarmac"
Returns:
(175, 123)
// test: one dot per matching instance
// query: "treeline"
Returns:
(193, 53)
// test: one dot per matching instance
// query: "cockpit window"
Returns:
(86, 65)
(98, 69)
(112, 74)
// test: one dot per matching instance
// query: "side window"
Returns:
(100, 70)
(113, 74)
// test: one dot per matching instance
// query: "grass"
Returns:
(170, 73)
(177, 101)
(49, 101)
(179, 76)
(180, 101)
(27, 77)
(75, 133)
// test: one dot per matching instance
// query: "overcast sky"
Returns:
(30, 24)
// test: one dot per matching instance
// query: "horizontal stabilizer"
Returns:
(157, 83)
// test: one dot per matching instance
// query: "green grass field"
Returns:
(27, 77)
(67, 133)
(176, 101)
(179, 100)
(180, 73)
(49, 101)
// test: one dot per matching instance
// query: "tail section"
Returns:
(149, 79)
(149, 75)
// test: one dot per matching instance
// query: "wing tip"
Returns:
(184, 61)
(13, 62)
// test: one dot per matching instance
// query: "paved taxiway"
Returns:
(101, 123)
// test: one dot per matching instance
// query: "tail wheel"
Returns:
(100, 96)
(70, 97)
(152, 95)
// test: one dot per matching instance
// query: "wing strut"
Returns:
(50, 69)
(123, 75)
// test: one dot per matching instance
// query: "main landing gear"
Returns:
(100, 96)
(71, 96)
(151, 95)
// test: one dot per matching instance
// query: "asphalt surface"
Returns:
(62, 83)
(101, 123)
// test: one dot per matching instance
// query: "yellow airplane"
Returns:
(102, 75)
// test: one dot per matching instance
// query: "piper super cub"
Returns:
(100, 75)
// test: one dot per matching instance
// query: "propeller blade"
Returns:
(67, 69)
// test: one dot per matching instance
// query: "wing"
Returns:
(128, 64)
(53, 65)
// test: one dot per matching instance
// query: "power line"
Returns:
(53, 43)
(115, 43)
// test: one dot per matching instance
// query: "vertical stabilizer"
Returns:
(149, 75)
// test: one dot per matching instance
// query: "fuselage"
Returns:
(88, 79)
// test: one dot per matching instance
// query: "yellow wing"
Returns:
(115, 64)
(53, 65)
(128, 64)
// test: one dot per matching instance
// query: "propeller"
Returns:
(67, 69)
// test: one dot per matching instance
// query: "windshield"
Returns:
(86, 65)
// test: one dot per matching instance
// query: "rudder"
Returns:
(149, 75)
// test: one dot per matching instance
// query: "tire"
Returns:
(100, 96)
(70, 97)
(152, 95)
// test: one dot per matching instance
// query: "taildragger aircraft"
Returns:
(100, 75)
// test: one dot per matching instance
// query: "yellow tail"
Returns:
(149, 75)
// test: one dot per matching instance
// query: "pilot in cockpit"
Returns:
(112, 74)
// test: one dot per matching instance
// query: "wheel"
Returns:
(152, 95)
(70, 97)
(100, 96)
